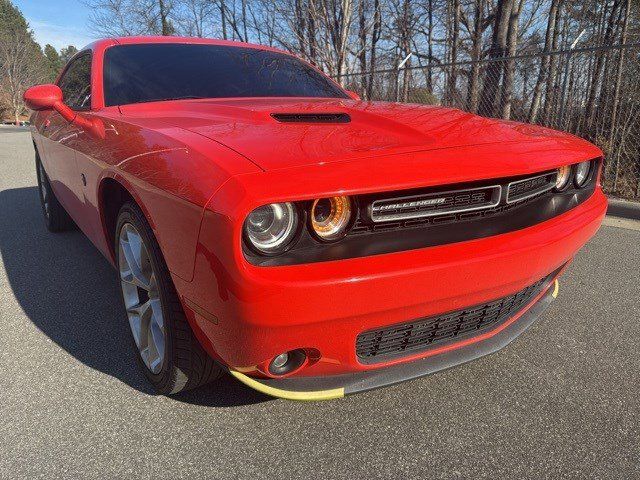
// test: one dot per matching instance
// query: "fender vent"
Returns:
(311, 117)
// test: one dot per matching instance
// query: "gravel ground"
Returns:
(561, 401)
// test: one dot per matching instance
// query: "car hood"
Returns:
(374, 129)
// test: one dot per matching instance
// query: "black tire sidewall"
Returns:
(130, 213)
(58, 220)
(43, 181)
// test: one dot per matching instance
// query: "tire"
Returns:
(166, 349)
(55, 216)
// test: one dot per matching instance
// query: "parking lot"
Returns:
(561, 401)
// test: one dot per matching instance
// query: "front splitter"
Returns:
(336, 386)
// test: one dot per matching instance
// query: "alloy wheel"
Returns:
(141, 297)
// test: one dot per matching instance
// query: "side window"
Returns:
(76, 83)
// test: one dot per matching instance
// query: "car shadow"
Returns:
(69, 291)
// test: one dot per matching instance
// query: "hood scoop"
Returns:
(311, 117)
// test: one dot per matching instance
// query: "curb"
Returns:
(624, 209)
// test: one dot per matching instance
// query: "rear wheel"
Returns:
(55, 216)
(167, 350)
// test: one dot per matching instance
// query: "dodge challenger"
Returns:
(266, 222)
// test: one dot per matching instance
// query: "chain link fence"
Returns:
(591, 92)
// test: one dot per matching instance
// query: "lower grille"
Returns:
(421, 334)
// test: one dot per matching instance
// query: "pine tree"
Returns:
(54, 62)
(22, 63)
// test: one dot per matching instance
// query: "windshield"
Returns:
(170, 71)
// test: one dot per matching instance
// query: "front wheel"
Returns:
(167, 350)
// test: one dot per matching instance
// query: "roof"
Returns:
(170, 39)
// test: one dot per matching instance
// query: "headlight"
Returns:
(270, 228)
(330, 217)
(582, 173)
(563, 177)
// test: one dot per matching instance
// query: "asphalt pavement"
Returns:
(562, 401)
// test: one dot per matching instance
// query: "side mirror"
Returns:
(49, 97)
(43, 97)
(353, 95)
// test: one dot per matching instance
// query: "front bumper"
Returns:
(245, 315)
(327, 388)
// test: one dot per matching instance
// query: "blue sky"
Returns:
(58, 22)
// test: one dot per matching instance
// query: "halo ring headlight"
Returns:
(563, 177)
(270, 228)
(582, 173)
(330, 217)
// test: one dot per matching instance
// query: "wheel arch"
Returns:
(113, 192)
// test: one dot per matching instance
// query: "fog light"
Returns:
(287, 362)
(280, 361)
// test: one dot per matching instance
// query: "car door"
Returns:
(61, 139)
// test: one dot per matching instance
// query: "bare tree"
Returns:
(598, 70)
(476, 33)
(21, 68)
(404, 22)
(497, 50)
(499, 58)
(131, 17)
(509, 65)
(454, 35)
(375, 37)
(195, 17)
(543, 73)
(552, 85)
(614, 149)
(362, 43)
(337, 17)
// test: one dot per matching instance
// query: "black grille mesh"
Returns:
(421, 334)
(461, 199)
(531, 186)
(362, 227)
(521, 195)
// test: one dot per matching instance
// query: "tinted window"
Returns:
(76, 83)
(153, 72)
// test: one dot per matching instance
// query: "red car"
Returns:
(266, 222)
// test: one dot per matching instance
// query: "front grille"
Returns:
(529, 187)
(432, 204)
(421, 334)
(362, 227)
(425, 208)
